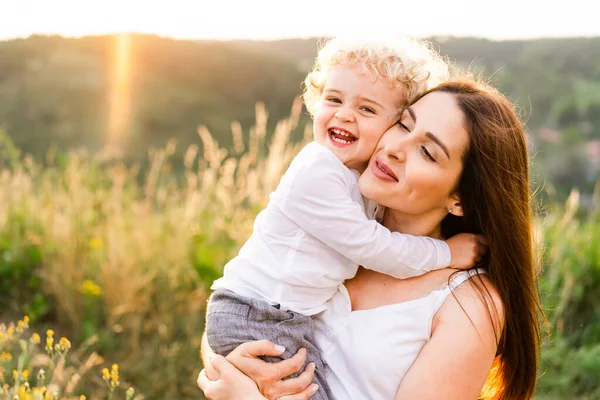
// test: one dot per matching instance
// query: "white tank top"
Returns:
(368, 352)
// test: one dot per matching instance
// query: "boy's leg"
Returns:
(295, 331)
(227, 321)
(233, 319)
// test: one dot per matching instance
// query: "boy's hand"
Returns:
(466, 250)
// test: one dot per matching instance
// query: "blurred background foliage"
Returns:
(56, 91)
(117, 250)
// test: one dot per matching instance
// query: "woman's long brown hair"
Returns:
(495, 195)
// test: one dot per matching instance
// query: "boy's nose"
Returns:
(344, 115)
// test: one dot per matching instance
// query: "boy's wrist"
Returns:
(444, 254)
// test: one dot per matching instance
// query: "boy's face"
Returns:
(354, 112)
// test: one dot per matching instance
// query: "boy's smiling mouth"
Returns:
(341, 137)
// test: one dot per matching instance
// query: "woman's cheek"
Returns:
(420, 177)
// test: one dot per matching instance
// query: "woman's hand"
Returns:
(233, 384)
(269, 376)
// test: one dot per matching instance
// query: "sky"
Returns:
(274, 19)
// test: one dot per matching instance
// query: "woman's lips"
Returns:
(383, 171)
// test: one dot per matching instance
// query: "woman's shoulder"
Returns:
(476, 302)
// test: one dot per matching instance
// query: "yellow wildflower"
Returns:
(26, 319)
(82, 397)
(65, 343)
(115, 367)
(35, 339)
(49, 333)
(96, 243)
(49, 342)
(24, 391)
(91, 288)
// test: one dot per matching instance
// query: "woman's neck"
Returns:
(423, 225)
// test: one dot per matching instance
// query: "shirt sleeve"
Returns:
(318, 198)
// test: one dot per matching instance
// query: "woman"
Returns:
(456, 162)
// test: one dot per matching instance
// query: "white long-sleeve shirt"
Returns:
(313, 235)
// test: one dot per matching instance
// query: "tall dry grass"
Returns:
(121, 258)
(130, 263)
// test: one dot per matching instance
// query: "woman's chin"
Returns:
(368, 186)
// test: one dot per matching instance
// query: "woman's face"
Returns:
(417, 163)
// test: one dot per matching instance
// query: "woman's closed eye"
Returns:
(333, 100)
(402, 126)
(426, 153)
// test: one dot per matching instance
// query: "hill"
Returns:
(57, 91)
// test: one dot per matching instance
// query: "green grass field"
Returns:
(119, 261)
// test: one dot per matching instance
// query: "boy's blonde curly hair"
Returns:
(400, 61)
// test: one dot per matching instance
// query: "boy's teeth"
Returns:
(340, 140)
(341, 133)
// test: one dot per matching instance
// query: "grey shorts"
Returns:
(232, 319)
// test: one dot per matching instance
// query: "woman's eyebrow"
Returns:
(430, 135)
(437, 141)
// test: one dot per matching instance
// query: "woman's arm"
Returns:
(267, 376)
(455, 363)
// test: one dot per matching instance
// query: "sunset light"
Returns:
(120, 93)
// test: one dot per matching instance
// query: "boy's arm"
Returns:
(318, 199)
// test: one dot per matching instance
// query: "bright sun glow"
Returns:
(271, 19)
(120, 96)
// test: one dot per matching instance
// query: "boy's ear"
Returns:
(455, 206)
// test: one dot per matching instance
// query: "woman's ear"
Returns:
(455, 206)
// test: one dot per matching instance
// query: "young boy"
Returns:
(316, 230)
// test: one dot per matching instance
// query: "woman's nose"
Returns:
(397, 150)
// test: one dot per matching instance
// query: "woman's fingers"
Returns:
(221, 365)
(294, 385)
(290, 366)
(304, 395)
(260, 348)
(232, 384)
(246, 356)
(265, 374)
(211, 372)
(203, 381)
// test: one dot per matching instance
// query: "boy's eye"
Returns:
(368, 109)
(333, 100)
